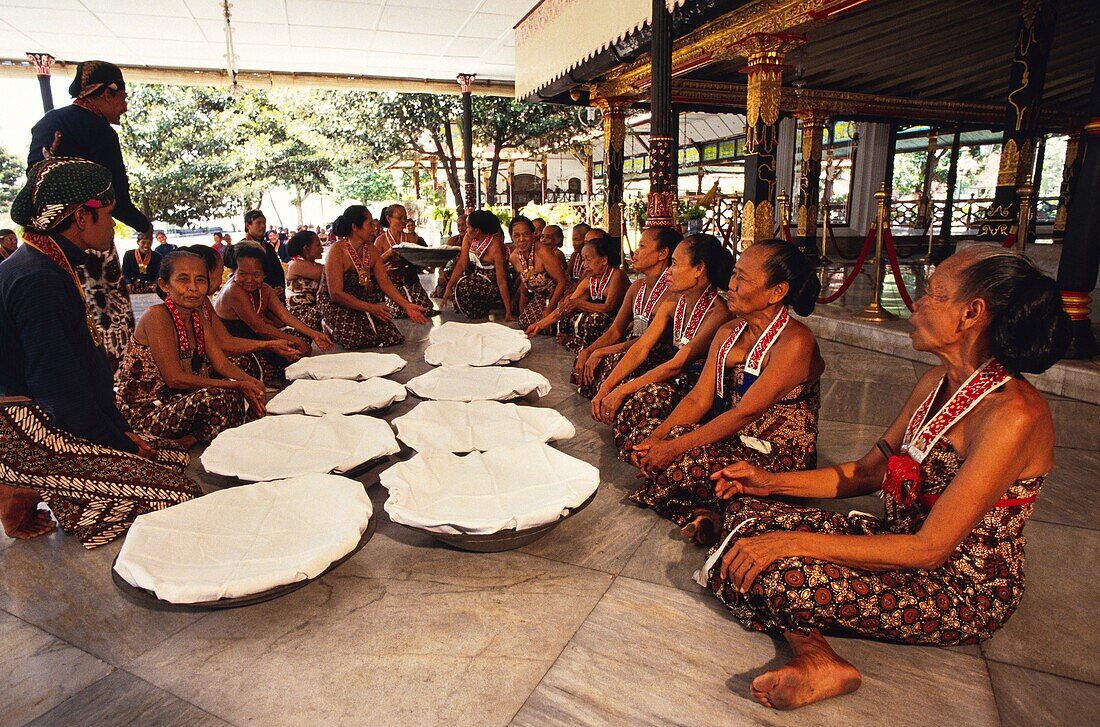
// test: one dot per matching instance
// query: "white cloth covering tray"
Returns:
(245, 540)
(335, 396)
(474, 383)
(475, 344)
(277, 447)
(507, 488)
(456, 426)
(351, 366)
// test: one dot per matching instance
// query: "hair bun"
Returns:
(1032, 332)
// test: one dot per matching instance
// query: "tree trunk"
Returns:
(450, 162)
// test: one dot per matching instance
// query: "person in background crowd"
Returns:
(62, 440)
(163, 247)
(540, 225)
(83, 129)
(278, 245)
(218, 245)
(255, 226)
(8, 242)
(575, 265)
(141, 266)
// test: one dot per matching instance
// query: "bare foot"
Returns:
(703, 529)
(815, 673)
(20, 516)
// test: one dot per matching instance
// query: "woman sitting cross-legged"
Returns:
(249, 308)
(756, 400)
(597, 360)
(959, 470)
(479, 281)
(588, 310)
(303, 276)
(355, 286)
(677, 338)
(165, 387)
(404, 276)
(542, 279)
(141, 267)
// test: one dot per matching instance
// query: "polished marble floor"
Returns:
(597, 623)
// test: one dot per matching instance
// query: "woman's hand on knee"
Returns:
(742, 478)
(748, 557)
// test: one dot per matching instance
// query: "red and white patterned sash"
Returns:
(477, 249)
(597, 287)
(920, 437)
(643, 303)
(755, 360)
(181, 331)
(683, 331)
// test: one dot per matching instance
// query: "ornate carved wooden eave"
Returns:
(716, 95)
(718, 39)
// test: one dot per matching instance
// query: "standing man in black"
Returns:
(83, 130)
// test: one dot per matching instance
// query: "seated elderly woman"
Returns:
(652, 259)
(165, 386)
(303, 276)
(757, 398)
(676, 341)
(355, 286)
(404, 276)
(959, 470)
(542, 279)
(141, 267)
(249, 308)
(479, 281)
(588, 310)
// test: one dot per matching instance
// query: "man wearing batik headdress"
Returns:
(62, 441)
(83, 130)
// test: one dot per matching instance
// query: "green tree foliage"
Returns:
(363, 183)
(11, 178)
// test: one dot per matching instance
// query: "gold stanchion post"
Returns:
(784, 203)
(1026, 193)
(875, 313)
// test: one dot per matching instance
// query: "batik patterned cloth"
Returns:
(354, 329)
(272, 364)
(657, 356)
(405, 279)
(583, 329)
(963, 601)
(108, 302)
(540, 288)
(788, 427)
(93, 491)
(301, 301)
(152, 408)
(476, 294)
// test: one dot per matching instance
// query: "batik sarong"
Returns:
(355, 329)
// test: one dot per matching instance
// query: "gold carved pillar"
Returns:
(765, 53)
(614, 110)
(809, 179)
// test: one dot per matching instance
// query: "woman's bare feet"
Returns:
(20, 516)
(704, 527)
(815, 673)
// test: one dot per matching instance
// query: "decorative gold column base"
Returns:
(875, 313)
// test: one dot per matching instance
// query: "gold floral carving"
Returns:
(1010, 162)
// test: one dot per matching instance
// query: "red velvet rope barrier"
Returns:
(868, 242)
(1010, 240)
(895, 268)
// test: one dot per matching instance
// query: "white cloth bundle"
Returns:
(475, 344)
(472, 383)
(352, 366)
(245, 540)
(485, 492)
(455, 426)
(335, 396)
(276, 447)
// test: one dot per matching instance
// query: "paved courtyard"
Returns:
(597, 623)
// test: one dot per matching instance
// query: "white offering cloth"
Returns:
(335, 396)
(472, 383)
(245, 540)
(276, 447)
(455, 426)
(485, 492)
(475, 344)
(352, 366)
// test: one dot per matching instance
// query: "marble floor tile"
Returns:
(665, 558)
(1076, 423)
(862, 402)
(1026, 698)
(841, 441)
(405, 632)
(122, 698)
(649, 654)
(1070, 495)
(848, 363)
(1054, 629)
(39, 671)
(57, 585)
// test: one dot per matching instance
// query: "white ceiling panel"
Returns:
(431, 39)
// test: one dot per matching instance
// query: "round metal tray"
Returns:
(427, 257)
(148, 599)
(505, 539)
